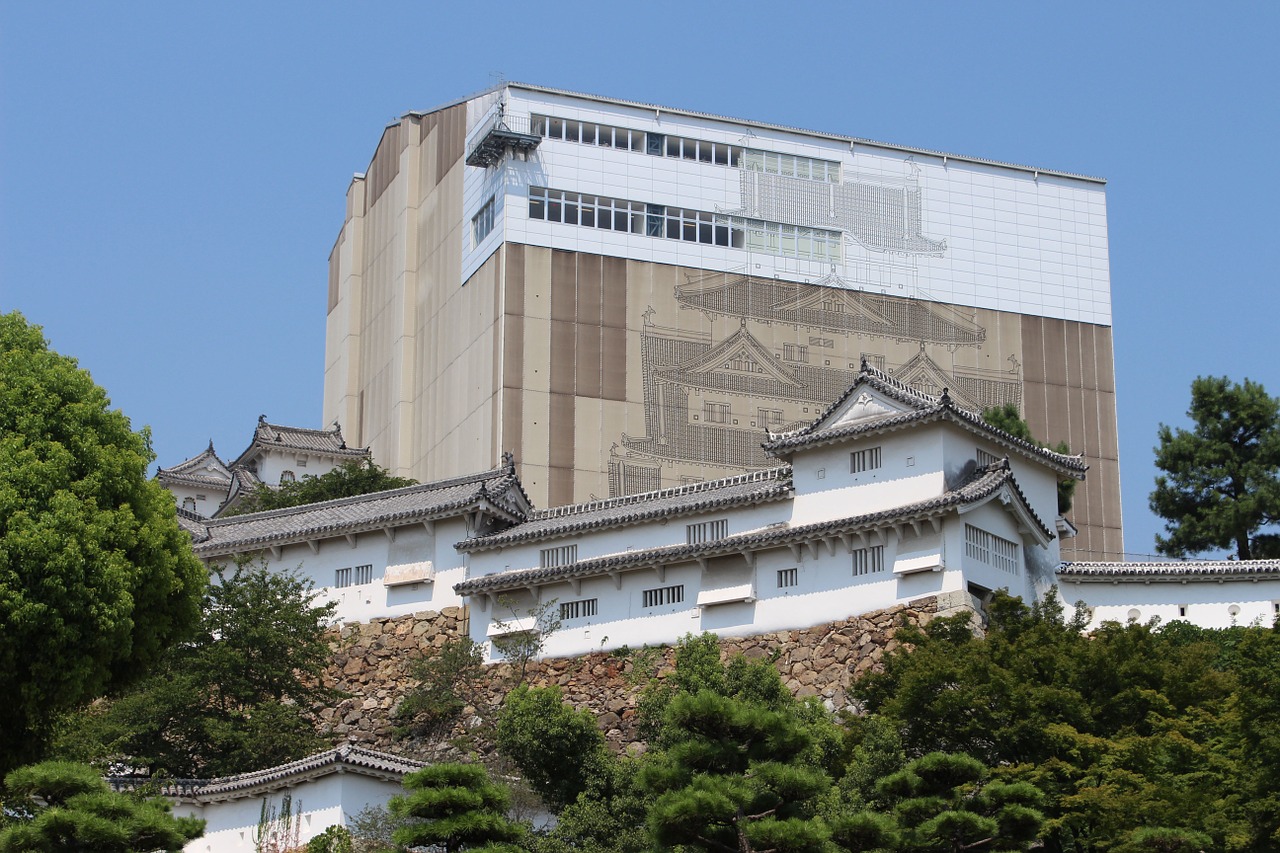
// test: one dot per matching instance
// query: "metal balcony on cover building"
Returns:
(504, 133)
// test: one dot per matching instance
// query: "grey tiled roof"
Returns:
(196, 480)
(1171, 571)
(924, 409)
(985, 483)
(196, 463)
(757, 487)
(194, 525)
(346, 758)
(326, 442)
(299, 438)
(499, 489)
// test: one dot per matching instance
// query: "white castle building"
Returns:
(204, 485)
(888, 496)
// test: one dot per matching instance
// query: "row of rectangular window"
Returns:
(686, 148)
(866, 560)
(990, 549)
(353, 576)
(689, 226)
(721, 413)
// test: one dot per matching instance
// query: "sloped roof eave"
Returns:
(780, 492)
(1071, 466)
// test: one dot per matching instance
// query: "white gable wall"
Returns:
(327, 801)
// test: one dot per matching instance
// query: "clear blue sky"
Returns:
(172, 175)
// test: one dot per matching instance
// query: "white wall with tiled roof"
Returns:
(1211, 594)
(790, 563)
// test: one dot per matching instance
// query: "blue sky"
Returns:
(172, 176)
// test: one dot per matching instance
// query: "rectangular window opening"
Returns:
(706, 531)
(663, 595)
(867, 561)
(864, 460)
(563, 555)
(581, 609)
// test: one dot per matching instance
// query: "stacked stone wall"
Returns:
(371, 666)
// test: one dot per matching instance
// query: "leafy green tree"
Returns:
(733, 779)
(59, 806)
(448, 679)
(1131, 727)
(455, 807)
(96, 578)
(610, 815)
(521, 647)
(1007, 418)
(335, 839)
(1221, 485)
(348, 480)
(232, 700)
(556, 747)
(946, 802)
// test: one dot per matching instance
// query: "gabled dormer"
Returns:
(280, 454)
(200, 484)
(883, 443)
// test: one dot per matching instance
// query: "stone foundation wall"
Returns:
(371, 664)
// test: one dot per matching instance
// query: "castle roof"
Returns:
(985, 484)
(895, 405)
(1170, 572)
(204, 470)
(497, 491)
(743, 490)
(321, 442)
(347, 758)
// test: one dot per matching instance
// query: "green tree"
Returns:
(456, 807)
(350, 479)
(1221, 484)
(734, 779)
(96, 578)
(59, 806)
(946, 802)
(234, 699)
(557, 748)
(1131, 727)
(448, 679)
(1007, 418)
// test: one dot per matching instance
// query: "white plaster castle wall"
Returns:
(205, 500)
(1208, 602)
(271, 464)
(327, 801)
(911, 466)
(362, 602)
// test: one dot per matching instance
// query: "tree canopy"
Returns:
(96, 577)
(233, 699)
(58, 806)
(1131, 728)
(455, 807)
(1221, 483)
(350, 479)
